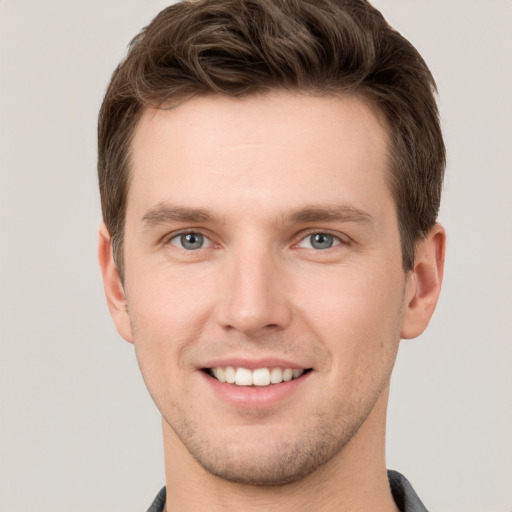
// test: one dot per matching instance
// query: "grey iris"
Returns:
(321, 241)
(191, 241)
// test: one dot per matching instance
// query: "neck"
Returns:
(354, 480)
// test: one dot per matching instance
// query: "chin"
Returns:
(272, 470)
(266, 461)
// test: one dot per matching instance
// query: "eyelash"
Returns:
(179, 236)
(336, 240)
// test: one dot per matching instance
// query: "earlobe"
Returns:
(424, 282)
(114, 290)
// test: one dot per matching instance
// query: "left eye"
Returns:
(190, 241)
(319, 241)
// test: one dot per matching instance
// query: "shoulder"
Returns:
(403, 493)
(159, 502)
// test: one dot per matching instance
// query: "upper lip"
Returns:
(254, 363)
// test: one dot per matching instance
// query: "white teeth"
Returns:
(261, 377)
(220, 374)
(287, 374)
(243, 377)
(229, 374)
(276, 375)
(258, 377)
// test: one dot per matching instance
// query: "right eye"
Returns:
(190, 241)
(320, 241)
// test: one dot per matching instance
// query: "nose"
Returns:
(253, 292)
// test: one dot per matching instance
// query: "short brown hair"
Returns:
(245, 47)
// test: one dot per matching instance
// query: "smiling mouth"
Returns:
(259, 377)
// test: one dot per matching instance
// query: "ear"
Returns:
(114, 290)
(424, 282)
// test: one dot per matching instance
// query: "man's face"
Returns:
(261, 236)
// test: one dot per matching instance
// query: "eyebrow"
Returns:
(333, 213)
(164, 213)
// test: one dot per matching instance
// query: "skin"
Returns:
(256, 178)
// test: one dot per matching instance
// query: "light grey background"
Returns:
(77, 429)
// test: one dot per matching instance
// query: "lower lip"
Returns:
(255, 397)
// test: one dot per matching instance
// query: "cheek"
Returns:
(355, 313)
(168, 313)
(168, 304)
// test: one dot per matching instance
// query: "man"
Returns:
(270, 174)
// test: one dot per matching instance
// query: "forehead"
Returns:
(279, 149)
